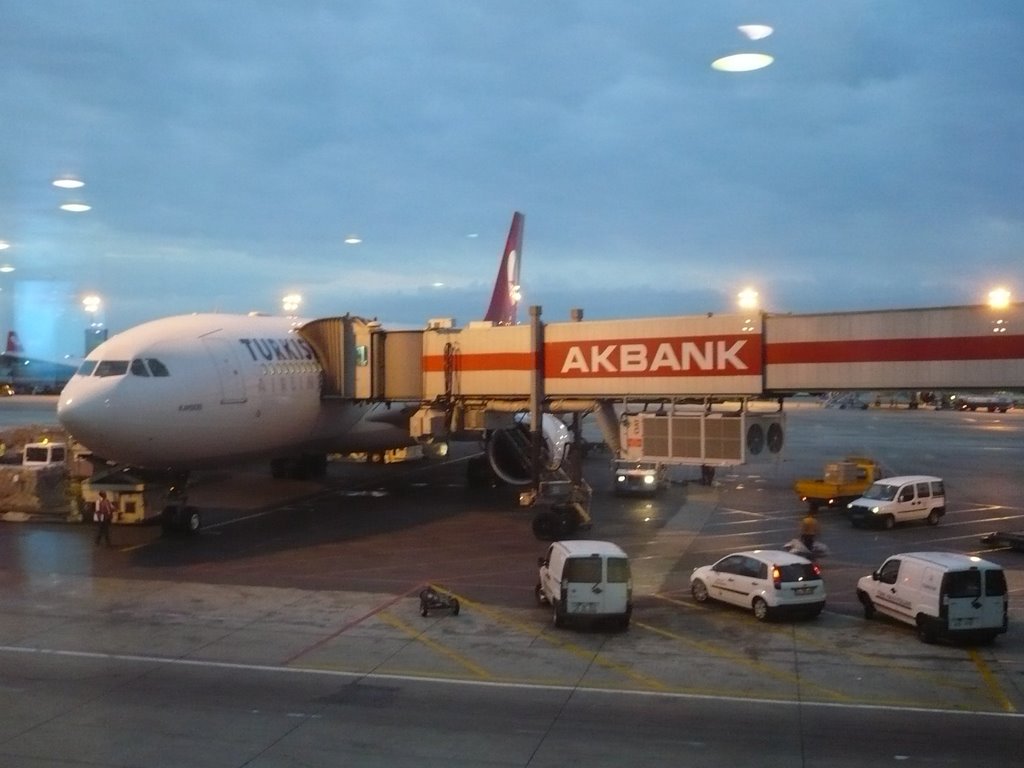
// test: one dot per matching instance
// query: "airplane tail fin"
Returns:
(505, 298)
(13, 344)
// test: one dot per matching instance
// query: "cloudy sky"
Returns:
(228, 149)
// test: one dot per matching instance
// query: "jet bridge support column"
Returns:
(565, 499)
(536, 392)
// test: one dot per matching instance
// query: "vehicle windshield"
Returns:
(881, 492)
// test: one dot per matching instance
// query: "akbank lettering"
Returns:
(639, 358)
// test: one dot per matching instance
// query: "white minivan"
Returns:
(586, 581)
(943, 594)
(900, 499)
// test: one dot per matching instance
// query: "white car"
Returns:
(769, 582)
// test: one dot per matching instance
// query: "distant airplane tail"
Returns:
(505, 298)
(13, 344)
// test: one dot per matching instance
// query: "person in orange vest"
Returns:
(104, 516)
(809, 530)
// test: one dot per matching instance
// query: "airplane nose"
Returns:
(82, 410)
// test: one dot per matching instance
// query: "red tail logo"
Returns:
(505, 298)
(13, 345)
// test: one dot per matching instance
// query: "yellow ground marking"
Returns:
(991, 683)
(591, 657)
(763, 669)
(889, 664)
(419, 636)
(647, 682)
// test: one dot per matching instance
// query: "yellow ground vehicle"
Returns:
(843, 481)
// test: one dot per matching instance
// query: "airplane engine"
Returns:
(508, 450)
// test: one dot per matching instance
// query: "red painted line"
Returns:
(948, 348)
(354, 623)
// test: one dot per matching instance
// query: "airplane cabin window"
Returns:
(157, 368)
(86, 368)
(111, 368)
(138, 368)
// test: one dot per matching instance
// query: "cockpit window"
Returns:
(157, 368)
(138, 368)
(111, 368)
(86, 368)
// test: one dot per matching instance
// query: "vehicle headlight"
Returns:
(874, 510)
(648, 479)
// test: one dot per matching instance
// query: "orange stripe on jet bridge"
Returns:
(947, 349)
(480, 361)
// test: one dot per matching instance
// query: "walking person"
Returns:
(104, 516)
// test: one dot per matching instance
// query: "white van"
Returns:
(586, 580)
(941, 593)
(899, 499)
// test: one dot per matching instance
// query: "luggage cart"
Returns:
(431, 599)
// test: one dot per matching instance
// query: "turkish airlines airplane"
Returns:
(196, 391)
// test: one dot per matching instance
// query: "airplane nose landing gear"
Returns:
(178, 516)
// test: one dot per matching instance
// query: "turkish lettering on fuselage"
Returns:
(278, 349)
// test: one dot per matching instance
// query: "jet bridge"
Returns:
(703, 370)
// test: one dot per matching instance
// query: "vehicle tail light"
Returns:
(816, 568)
(777, 577)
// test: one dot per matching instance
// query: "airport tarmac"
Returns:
(293, 585)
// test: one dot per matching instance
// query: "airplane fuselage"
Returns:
(199, 390)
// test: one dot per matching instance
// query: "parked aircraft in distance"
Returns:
(31, 375)
(195, 391)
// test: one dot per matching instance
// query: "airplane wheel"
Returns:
(192, 521)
